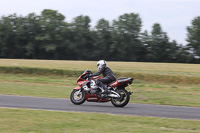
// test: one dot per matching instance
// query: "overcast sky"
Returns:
(173, 15)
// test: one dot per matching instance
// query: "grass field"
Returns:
(151, 72)
(155, 83)
(137, 67)
(145, 91)
(38, 121)
(59, 87)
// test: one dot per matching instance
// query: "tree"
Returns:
(125, 34)
(193, 37)
(159, 45)
(48, 36)
(10, 37)
(102, 40)
(146, 41)
(159, 48)
(31, 28)
(81, 41)
(51, 24)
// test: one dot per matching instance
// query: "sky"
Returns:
(173, 15)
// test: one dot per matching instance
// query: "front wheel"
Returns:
(123, 100)
(77, 97)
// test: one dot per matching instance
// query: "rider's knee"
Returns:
(99, 83)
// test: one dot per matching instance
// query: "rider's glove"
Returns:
(88, 76)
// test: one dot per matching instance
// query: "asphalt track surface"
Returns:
(55, 104)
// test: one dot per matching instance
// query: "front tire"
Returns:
(123, 100)
(77, 97)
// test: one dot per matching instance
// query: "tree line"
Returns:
(49, 36)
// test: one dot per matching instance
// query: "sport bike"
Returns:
(88, 90)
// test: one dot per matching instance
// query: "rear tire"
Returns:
(76, 98)
(123, 100)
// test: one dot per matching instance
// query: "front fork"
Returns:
(79, 90)
(78, 94)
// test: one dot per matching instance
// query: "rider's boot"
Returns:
(105, 90)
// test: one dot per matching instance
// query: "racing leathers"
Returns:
(108, 77)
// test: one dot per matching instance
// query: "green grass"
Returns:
(167, 94)
(40, 86)
(155, 83)
(136, 67)
(61, 87)
(39, 121)
(151, 72)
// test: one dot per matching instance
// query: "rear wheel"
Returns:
(77, 97)
(123, 100)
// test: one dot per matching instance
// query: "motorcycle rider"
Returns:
(106, 72)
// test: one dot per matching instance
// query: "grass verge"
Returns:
(151, 72)
(40, 121)
(59, 87)
(76, 73)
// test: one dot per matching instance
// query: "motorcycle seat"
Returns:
(111, 83)
(130, 80)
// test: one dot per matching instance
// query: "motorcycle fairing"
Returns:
(81, 82)
(124, 80)
(94, 98)
(121, 81)
(77, 88)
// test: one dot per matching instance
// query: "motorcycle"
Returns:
(88, 90)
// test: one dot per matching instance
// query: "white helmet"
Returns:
(101, 64)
